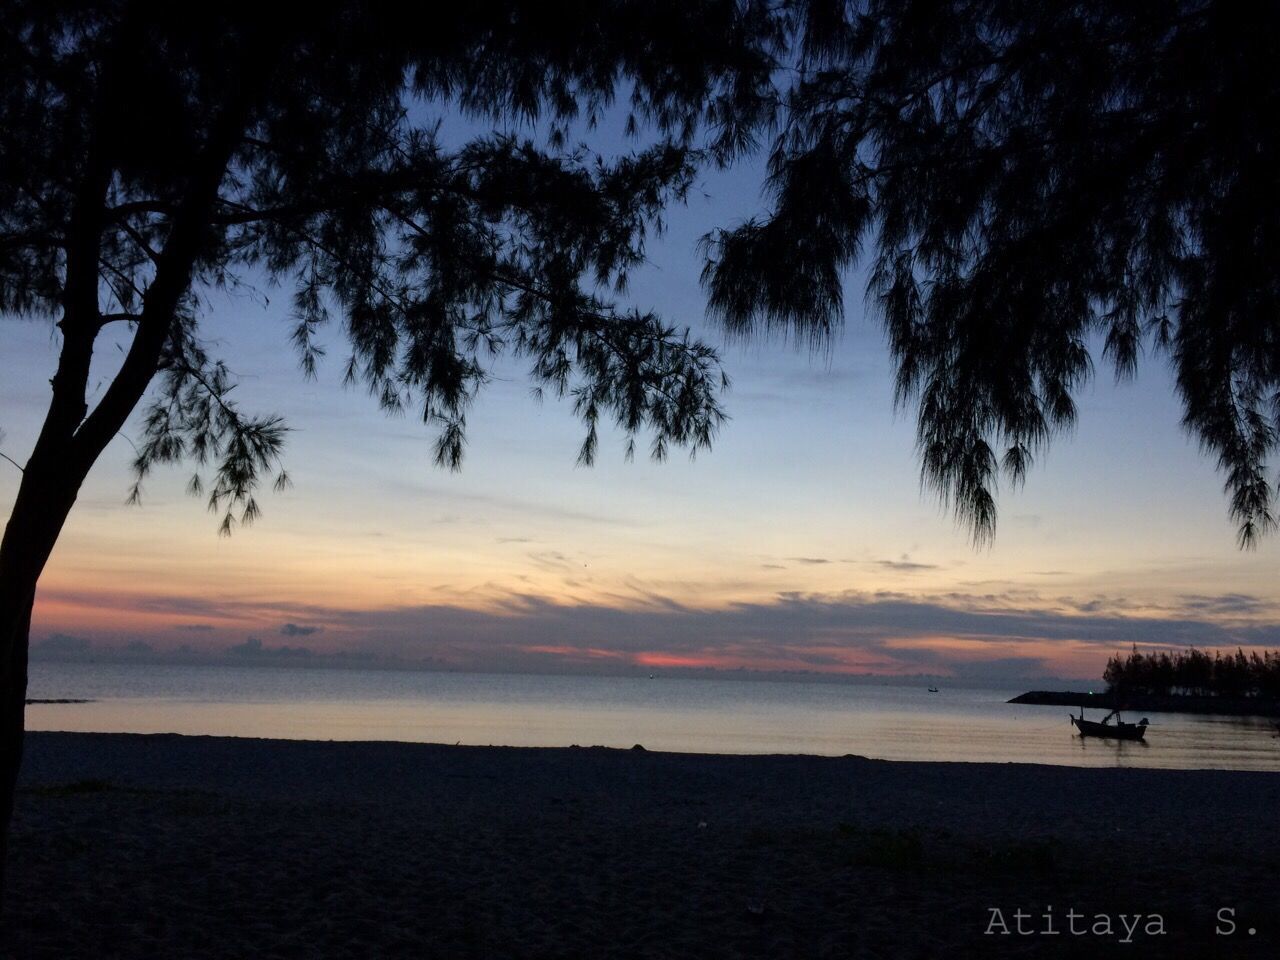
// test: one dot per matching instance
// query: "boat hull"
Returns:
(1110, 731)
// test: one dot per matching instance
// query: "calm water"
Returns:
(701, 716)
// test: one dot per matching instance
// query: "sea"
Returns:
(891, 720)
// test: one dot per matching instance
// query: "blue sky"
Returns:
(802, 541)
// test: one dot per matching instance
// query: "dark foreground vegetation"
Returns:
(1193, 672)
(1188, 681)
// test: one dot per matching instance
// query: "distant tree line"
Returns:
(1195, 672)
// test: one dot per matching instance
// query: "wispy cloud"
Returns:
(905, 566)
(298, 630)
(253, 648)
(882, 631)
(509, 506)
(59, 645)
(554, 560)
(1225, 603)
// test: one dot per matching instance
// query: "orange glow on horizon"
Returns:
(218, 616)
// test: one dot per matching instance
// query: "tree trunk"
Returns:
(45, 497)
(15, 625)
(73, 437)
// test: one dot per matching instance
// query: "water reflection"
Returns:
(1120, 753)
(884, 721)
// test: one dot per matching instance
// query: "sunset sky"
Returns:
(803, 541)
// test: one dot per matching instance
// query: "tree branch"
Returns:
(140, 241)
(123, 277)
(177, 260)
(106, 318)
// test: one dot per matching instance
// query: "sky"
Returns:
(802, 542)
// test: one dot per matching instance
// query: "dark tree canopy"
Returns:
(153, 151)
(1195, 673)
(1031, 181)
(1031, 177)
(1034, 179)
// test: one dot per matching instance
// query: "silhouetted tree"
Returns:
(1230, 674)
(1029, 175)
(1195, 672)
(1162, 674)
(1034, 179)
(1267, 669)
(153, 151)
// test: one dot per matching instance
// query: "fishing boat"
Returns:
(1112, 731)
(933, 689)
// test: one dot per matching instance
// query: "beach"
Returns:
(167, 846)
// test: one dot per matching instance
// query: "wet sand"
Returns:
(165, 846)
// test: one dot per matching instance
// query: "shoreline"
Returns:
(602, 749)
(136, 845)
(1155, 703)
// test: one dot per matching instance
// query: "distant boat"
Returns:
(933, 689)
(1108, 730)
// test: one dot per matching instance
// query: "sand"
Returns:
(190, 847)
